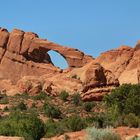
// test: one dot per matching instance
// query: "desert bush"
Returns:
(90, 120)
(103, 120)
(4, 99)
(136, 138)
(131, 120)
(6, 109)
(20, 106)
(99, 120)
(88, 106)
(101, 134)
(40, 96)
(33, 105)
(126, 98)
(23, 95)
(76, 99)
(113, 116)
(75, 77)
(75, 123)
(64, 95)
(18, 124)
(53, 128)
(52, 111)
(32, 111)
(66, 137)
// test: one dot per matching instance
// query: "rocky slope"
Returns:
(124, 62)
(25, 66)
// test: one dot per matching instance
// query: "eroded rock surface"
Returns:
(91, 81)
(26, 66)
(123, 62)
(96, 80)
(24, 53)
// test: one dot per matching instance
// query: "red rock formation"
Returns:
(25, 62)
(123, 62)
(23, 53)
(96, 80)
(91, 81)
(96, 94)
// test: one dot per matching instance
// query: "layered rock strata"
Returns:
(24, 53)
(26, 66)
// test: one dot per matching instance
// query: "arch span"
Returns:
(25, 52)
(74, 57)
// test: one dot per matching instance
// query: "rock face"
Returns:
(123, 62)
(23, 53)
(91, 81)
(25, 66)
(96, 80)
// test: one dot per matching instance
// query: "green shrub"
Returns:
(33, 105)
(17, 124)
(52, 111)
(40, 96)
(100, 120)
(136, 138)
(75, 77)
(24, 95)
(113, 117)
(21, 106)
(6, 109)
(53, 128)
(75, 123)
(4, 99)
(32, 111)
(123, 104)
(90, 120)
(66, 137)
(88, 106)
(131, 120)
(101, 134)
(76, 99)
(103, 120)
(64, 95)
(126, 98)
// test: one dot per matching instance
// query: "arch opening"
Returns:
(57, 59)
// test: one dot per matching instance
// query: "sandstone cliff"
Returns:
(25, 66)
(24, 53)
(124, 62)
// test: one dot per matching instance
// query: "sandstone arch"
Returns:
(22, 53)
(74, 57)
(28, 43)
